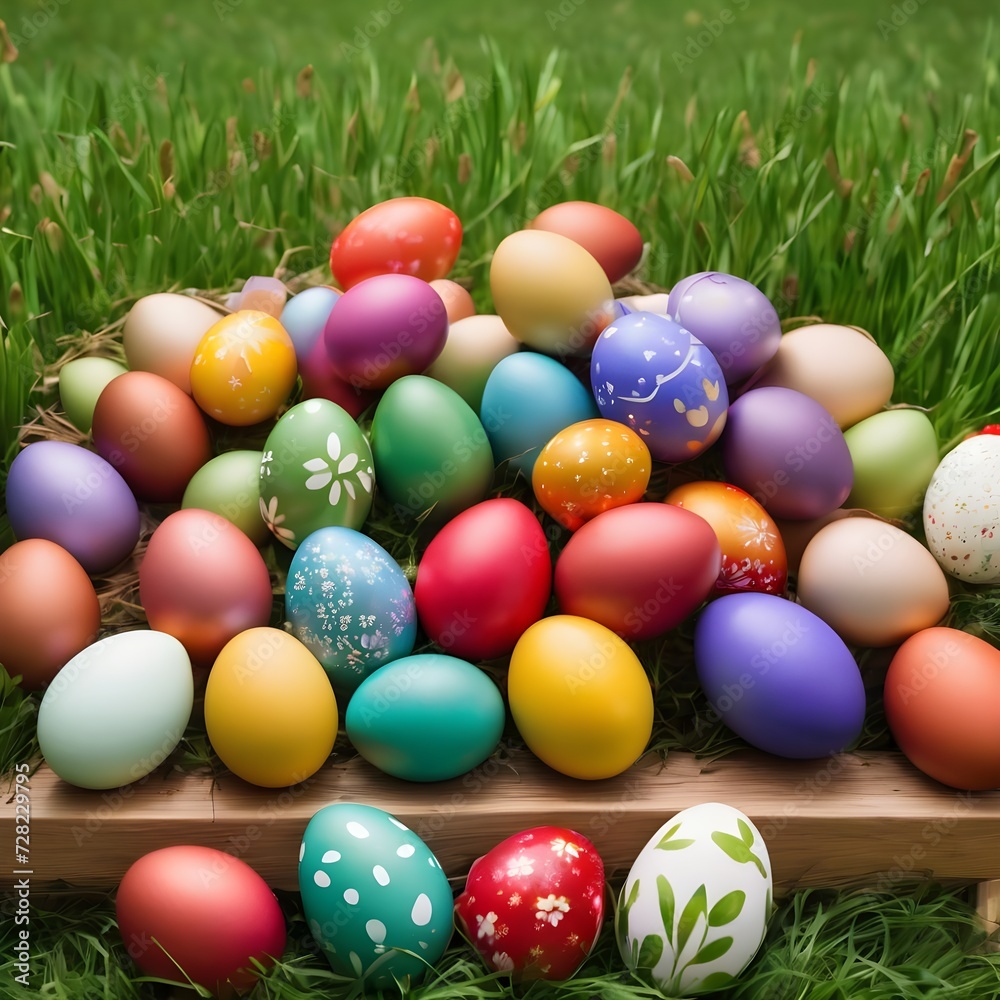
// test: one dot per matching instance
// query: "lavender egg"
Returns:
(787, 452)
(651, 374)
(69, 495)
(305, 316)
(731, 317)
(779, 676)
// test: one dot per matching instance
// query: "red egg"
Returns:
(203, 581)
(753, 553)
(533, 905)
(608, 237)
(196, 913)
(942, 703)
(485, 577)
(639, 570)
(320, 382)
(152, 432)
(400, 236)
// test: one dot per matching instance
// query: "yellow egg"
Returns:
(270, 712)
(579, 697)
(244, 368)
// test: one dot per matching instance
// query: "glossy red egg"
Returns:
(400, 236)
(533, 905)
(639, 570)
(484, 579)
(195, 912)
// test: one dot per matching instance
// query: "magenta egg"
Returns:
(383, 328)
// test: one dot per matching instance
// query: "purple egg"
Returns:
(787, 452)
(732, 318)
(779, 676)
(305, 316)
(72, 497)
(384, 328)
(650, 373)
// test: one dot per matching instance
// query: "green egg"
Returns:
(228, 485)
(430, 449)
(81, 381)
(895, 453)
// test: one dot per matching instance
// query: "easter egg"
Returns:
(81, 382)
(753, 553)
(243, 369)
(731, 317)
(384, 328)
(430, 449)
(590, 467)
(695, 905)
(349, 603)
(426, 718)
(551, 294)
(407, 235)
(475, 346)
(961, 516)
(639, 570)
(483, 579)
(49, 610)
(190, 913)
(162, 333)
(72, 497)
(152, 433)
(203, 581)
(787, 452)
(872, 583)
(941, 695)
(117, 709)
(262, 292)
(579, 697)
(649, 373)
(229, 485)
(320, 382)
(270, 712)
(372, 891)
(457, 301)
(304, 317)
(841, 367)
(894, 454)
(528, 398)
(779, 676)
(533, 904)
(316, 472)
(608, 237)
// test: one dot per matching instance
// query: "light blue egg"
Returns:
(350, 604)
(528, 399)
(305, 316)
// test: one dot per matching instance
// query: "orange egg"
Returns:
(588, 468)
(244, 368)
(457, 301)
(942, 703)
(753, 553)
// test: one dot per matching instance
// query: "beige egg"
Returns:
(840, 367)
(161, 333)
(874, 584)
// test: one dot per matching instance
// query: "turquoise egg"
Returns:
(348, 601)
(372, 889)
(528, 399)
(428, 717)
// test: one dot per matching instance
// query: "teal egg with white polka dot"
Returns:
(372, 890)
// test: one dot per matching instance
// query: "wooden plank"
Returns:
(854, 819)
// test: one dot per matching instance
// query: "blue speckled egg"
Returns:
(651, 374)
(350, 604)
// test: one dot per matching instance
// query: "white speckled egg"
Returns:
(694, 908)
(962, 511)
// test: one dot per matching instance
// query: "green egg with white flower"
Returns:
(372, 890)
(316, 471)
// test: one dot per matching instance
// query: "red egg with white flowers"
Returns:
(533, 905)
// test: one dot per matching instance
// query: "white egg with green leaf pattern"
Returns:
(694, 908)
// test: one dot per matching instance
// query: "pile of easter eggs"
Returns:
(814, 479)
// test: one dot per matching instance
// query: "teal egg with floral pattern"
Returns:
(348, 601)
(316, 471)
